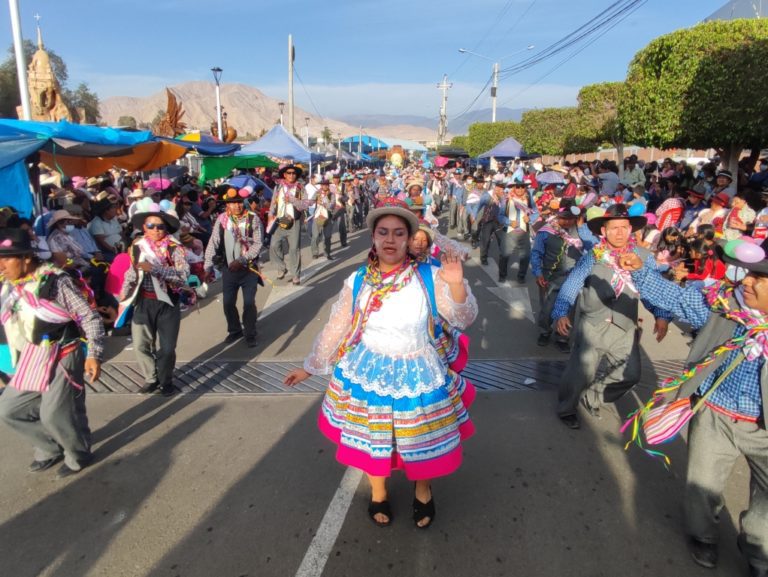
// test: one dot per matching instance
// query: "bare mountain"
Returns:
(248, 111)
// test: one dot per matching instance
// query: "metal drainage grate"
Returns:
(236, 377)
(233, 377)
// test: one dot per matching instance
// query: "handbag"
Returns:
(662, 424)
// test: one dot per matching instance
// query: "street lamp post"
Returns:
(281, 105)
(21, 65)
(496, 63)
(306, 123)
(217, 77)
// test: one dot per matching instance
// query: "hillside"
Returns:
(247, 108)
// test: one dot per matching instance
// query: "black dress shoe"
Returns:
(232, 337)
(704, 554)
(169, 389)
(329, 257)
(149, 388)
(563, 346)
(251, 342)
(543, 340)
(37, 466)
(570, 421)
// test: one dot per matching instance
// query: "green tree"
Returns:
(597, 121)
(485, 135)
(700, 88)
(551, 131)
(327, 135)
(460, 141)
(128, 121)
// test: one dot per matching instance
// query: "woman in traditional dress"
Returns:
(393, 402)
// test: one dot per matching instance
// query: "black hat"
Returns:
(15, 241)
(616, 212)
(298, 170)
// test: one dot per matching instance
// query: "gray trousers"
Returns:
(715, 442)
(457, 217)
(592, 343)
(517, 243)
(287, 242)
(547, 298)
(155, 331)
(54, 422)
(231, 283)
(321, 235)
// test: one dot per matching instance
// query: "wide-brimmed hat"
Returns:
(234, 195)
(722, 198)
(393, 206)
(616, 212)
(726, 173)
(146, 208)
(745, 254)
(15, 241)
(137, 193)
(60, 215)
(298, 169)
(430, 232)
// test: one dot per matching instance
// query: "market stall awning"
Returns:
(507, 148)
(214, 167)
(205, 147)
(280, 144)
(146, 156)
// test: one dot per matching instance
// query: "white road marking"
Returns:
(517, 297)
(320, 548)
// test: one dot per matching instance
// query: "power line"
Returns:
(512, 28)
(312, 102)
(471, 104)
(604, 19)
(575, 53)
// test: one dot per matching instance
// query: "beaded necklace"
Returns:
(379, 291)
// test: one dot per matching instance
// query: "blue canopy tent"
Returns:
(369, 144)
(20, 138)
(507, 149)
(279, 143)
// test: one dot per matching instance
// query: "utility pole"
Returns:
(291, 57)
(21, 65)
(442, 128)
(493, 90)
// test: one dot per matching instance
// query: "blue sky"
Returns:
(353, 56)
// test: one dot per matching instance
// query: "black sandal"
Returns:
(422, 511)
(382, 507)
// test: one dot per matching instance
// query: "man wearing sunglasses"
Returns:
(727, 359)
(285, 212)
(152, 285)
(236, 242)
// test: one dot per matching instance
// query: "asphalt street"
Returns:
(244, 485)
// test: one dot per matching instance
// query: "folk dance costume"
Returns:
(393, 401)
(237, 240)
(556, 250)
(155, 299)
(287, 210)
(514, 236)
(44, 316)
(322, 222)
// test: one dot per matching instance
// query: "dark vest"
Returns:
(714, 333)
(598, 302)
(56, 333)
(559, 257)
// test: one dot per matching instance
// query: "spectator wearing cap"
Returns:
(158, 272)
(557, 248)
(236, 243)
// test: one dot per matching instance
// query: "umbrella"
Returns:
(157, 183)
(199, 137)
(243, 180)
(550, 177)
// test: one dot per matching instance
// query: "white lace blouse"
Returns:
(395, 356)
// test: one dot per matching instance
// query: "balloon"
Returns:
(153, 207)
(730, 247)
(748, 252)
(166, 204)
(636, 209)
(749, 239)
